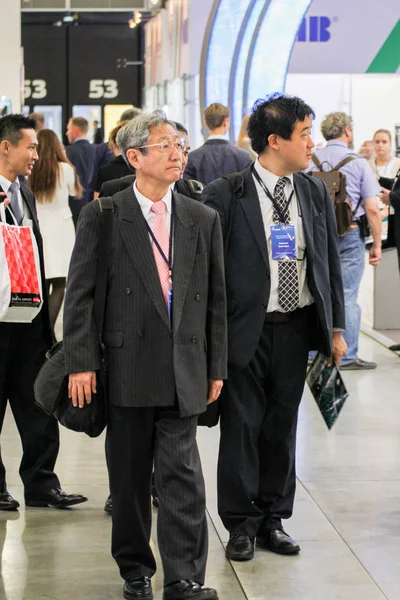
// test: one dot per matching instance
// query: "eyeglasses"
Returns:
(168, 146)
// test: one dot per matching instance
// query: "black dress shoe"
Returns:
(108, 505)
(187, 589)
(278, 541)
(7, 502)
(56, 499)
(240, 547)
(138, 589)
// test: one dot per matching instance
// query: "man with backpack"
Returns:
(284, 298)
(361, 189)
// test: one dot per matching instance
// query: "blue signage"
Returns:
(314, 29)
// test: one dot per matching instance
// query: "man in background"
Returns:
(80, 152)
(362, 189)
(217, 157)
(98, 134)
(39, 121)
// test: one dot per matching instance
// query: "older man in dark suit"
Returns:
(23, 345)
(165, 333)
(285, 297)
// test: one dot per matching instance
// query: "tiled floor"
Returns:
(347, 514)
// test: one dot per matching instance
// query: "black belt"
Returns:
(278, 317)
(282, 317)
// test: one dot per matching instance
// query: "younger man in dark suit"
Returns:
(217, 157)
(165, 334)
(285, 297)
(81, 153)
(23, 345)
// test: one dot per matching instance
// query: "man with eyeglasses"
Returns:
(187, 187)
(165, 333)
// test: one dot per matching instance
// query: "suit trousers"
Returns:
(259, 408)
(136, 437)
(22, 353)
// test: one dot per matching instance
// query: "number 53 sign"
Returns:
(103, 88)
(35, 88)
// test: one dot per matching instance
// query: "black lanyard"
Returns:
(168, 259)
(281, 215)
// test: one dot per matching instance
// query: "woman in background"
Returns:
(244, 140)
(384, 164)
(52, 180)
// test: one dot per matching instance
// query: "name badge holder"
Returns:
(168, 260)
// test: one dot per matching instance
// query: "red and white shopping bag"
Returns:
(21, 295)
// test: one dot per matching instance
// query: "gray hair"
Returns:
(332, 127)
(130, 113)
(137, 132)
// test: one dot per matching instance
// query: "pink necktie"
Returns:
(161, 234)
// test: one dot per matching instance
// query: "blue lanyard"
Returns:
(282, 215)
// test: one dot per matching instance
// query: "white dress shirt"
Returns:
(146, 204)
(5, 184)
(270, 180)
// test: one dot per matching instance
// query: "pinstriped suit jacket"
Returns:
(151, 364)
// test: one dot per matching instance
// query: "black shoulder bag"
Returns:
(210, 418)
(51, 385)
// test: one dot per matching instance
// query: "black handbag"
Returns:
(51, 384)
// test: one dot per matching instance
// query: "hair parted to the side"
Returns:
(215, 115)
(11, 127)
(332, 127)
(47, 172)
(386, 131)
(136, 133)
(276, 114)
(81, 123)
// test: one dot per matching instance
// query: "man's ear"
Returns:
(132, 154)
(4, 146)
(273, 141)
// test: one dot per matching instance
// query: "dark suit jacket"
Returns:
(81, 155)
(150, 364)
(109, 188)
(394, 198)
(215, 159)
(248, 270)
(115, 169)
(43, 316)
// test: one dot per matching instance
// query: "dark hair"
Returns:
(46, 174)
(276, 114)
(11, 127)
(181, 128)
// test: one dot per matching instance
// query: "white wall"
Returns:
(372, 100)
(10, 69)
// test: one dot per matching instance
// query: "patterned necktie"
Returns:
(162, 236)
(288, 285)
(14, 189)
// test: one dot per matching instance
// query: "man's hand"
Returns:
(214, 389)
(339, 348)
(375, 255)
(80, 388)
(385, 196)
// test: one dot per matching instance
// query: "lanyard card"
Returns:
(283, 240)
